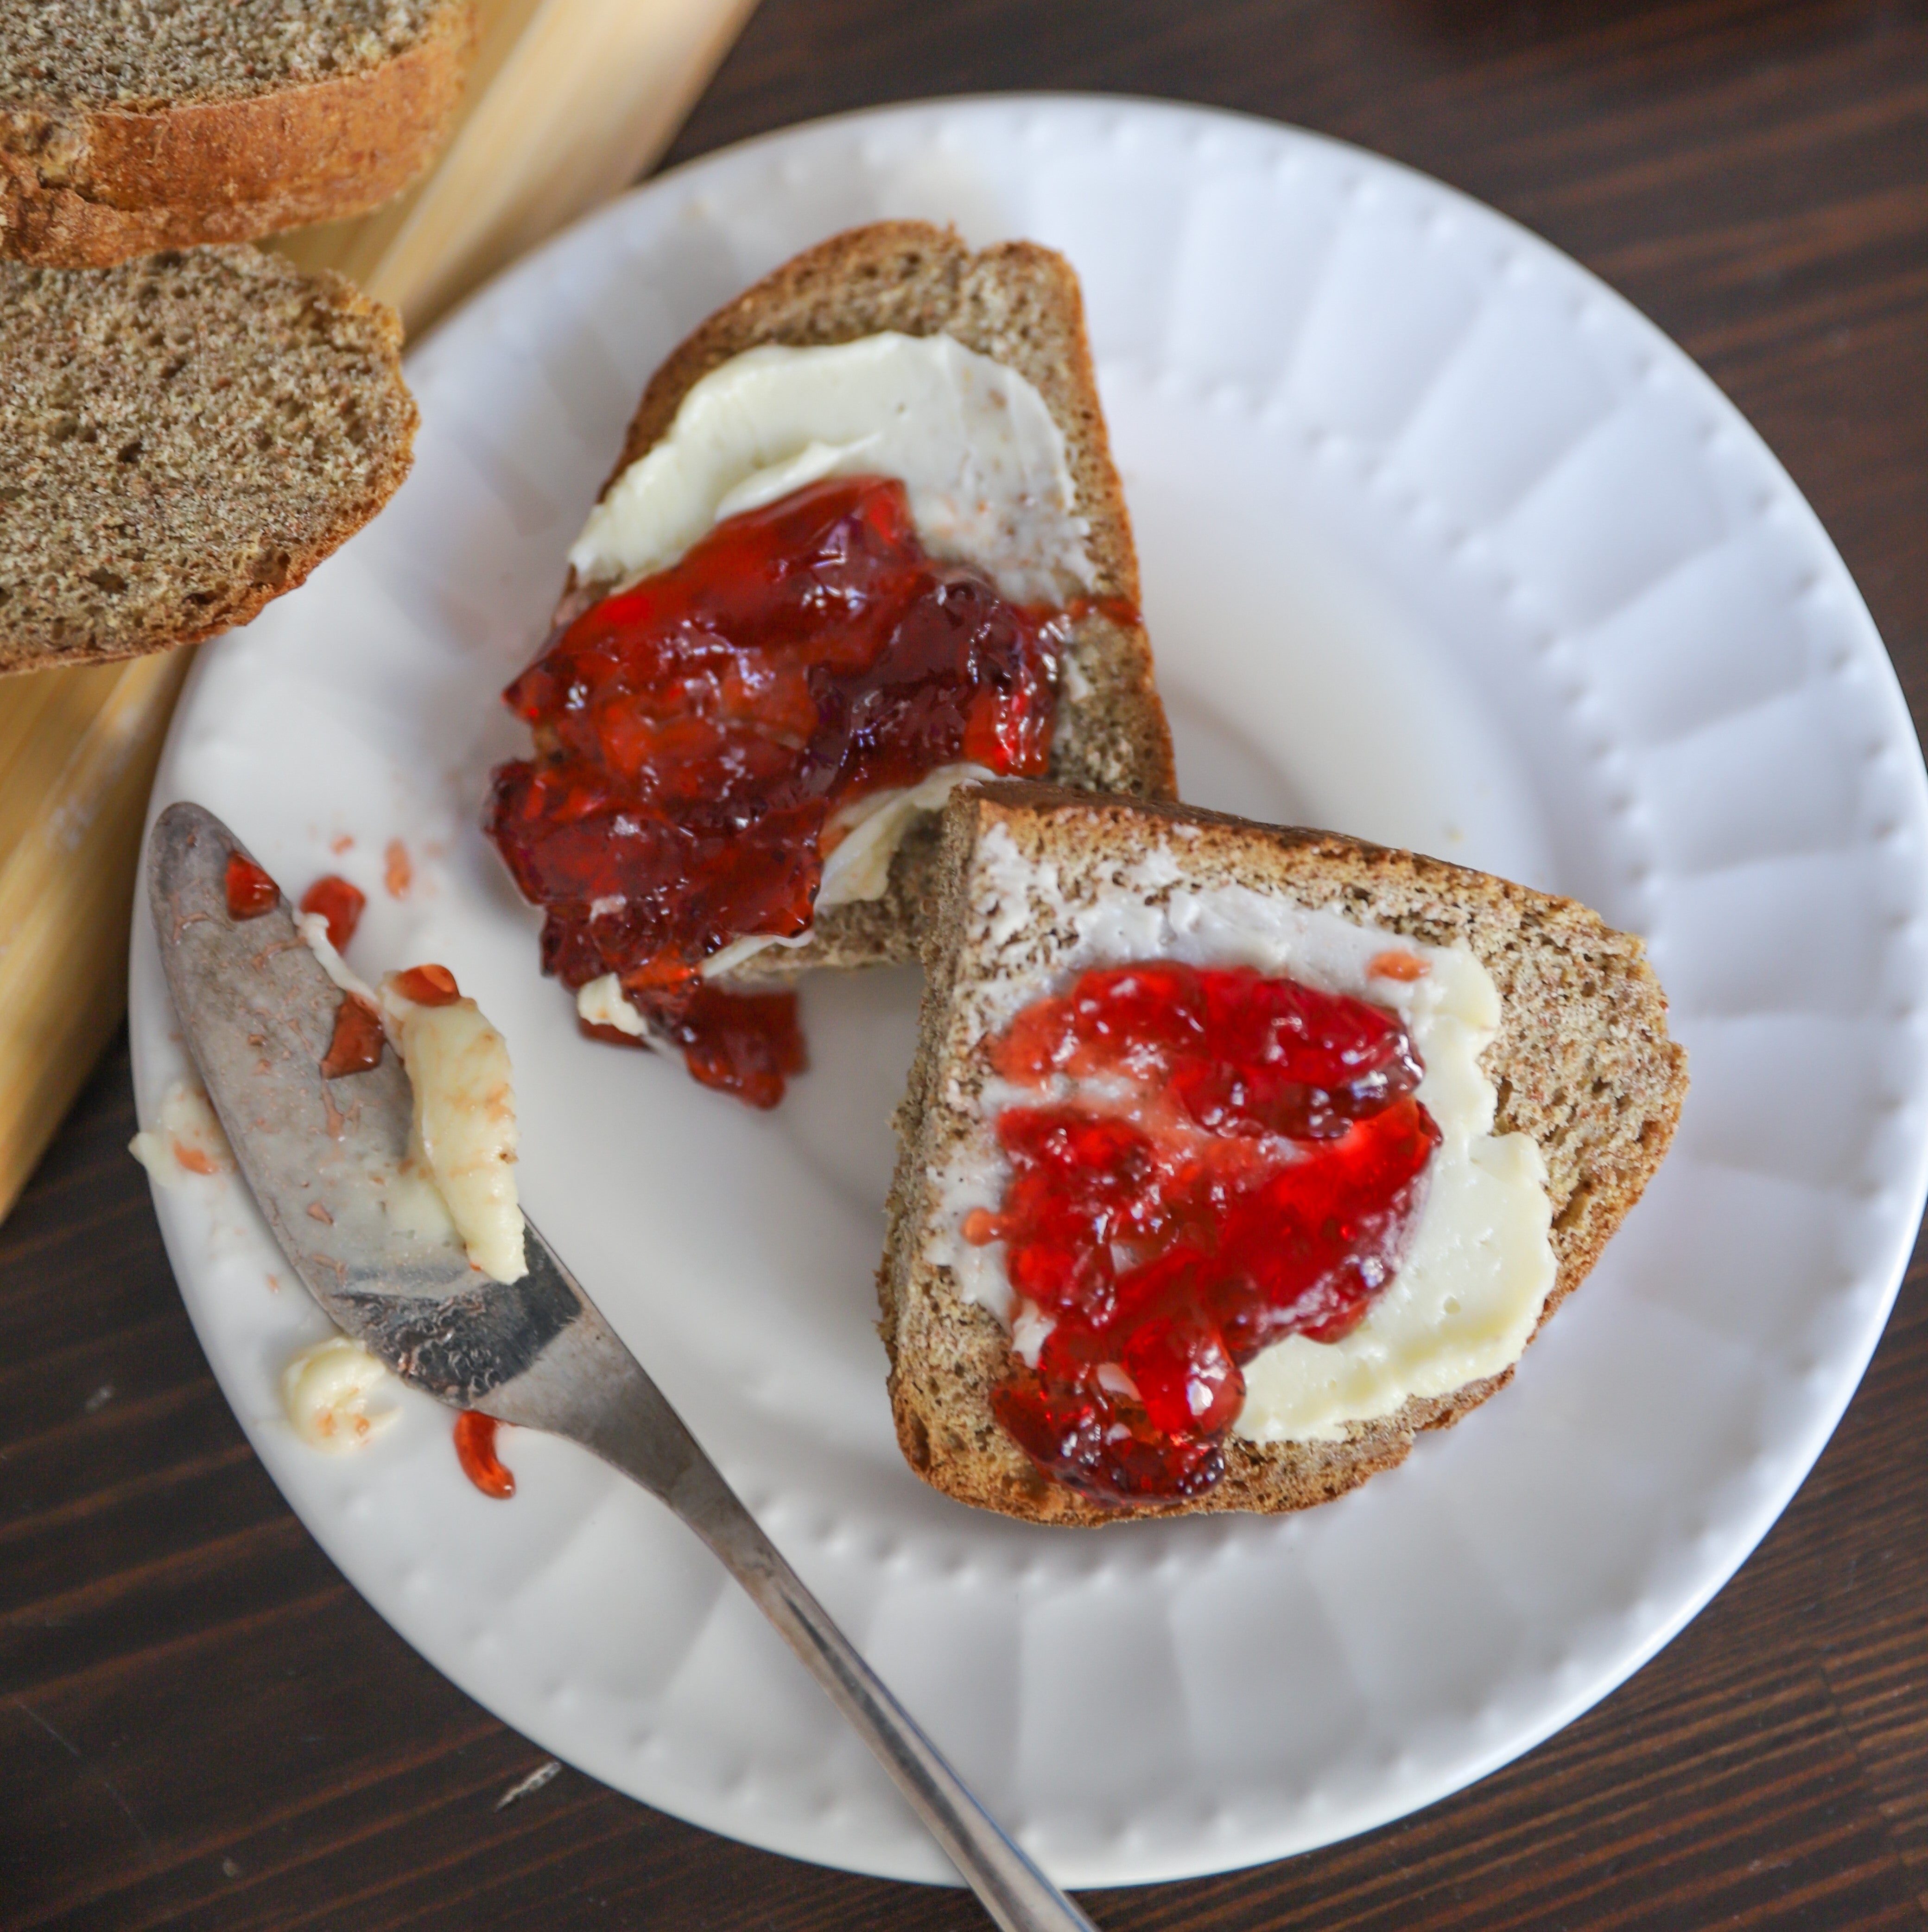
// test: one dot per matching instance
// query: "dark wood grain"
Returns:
(200, 1724)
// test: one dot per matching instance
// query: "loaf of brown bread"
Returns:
(131, 126)
(181, 439)
(1581, 1062)
(1019, 304)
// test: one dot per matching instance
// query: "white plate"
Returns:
(1443, 544)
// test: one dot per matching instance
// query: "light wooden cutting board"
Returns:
(569, 101)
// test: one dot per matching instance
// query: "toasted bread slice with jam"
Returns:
(1582, 1063)
(1019, 304)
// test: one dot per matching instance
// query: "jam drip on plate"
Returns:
(1218, 1160)
(475, 1450)
(697, 733)
(747, 1044)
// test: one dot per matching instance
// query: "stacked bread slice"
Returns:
(126, 129)
(186, 433)
(185, 437)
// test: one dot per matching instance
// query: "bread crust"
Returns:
(1582, 1062)
(88, 187)
(1019, 304)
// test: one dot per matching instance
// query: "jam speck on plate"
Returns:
(475, 1450)
(251, 892)
(696, 732)
(1218, 1160)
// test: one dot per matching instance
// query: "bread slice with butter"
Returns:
(183, 438)
(1030, 881)
(1018, 304)
(127, 129)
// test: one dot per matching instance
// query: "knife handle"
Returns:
(1016, 1893)
(586, 1384)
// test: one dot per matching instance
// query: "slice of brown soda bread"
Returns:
(1581, 1062)
(1019, 304)
(183, 438)
(127, 127)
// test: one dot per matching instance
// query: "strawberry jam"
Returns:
(427, 985)
(340, 904)
(1218, 1160)
(251, 892)
(475, 1450)
(696, 732)
(358, 1038)
(747, 1044)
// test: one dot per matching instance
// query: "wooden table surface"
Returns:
(201, 1724)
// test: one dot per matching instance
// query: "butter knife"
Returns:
(258, 1011)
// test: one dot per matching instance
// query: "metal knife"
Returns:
(258, 1011)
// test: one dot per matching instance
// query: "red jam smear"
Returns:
(1253, 1171)
(358, 1039)
(251, 892)
(696, 732)
(339, 903)
(475, 1450)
